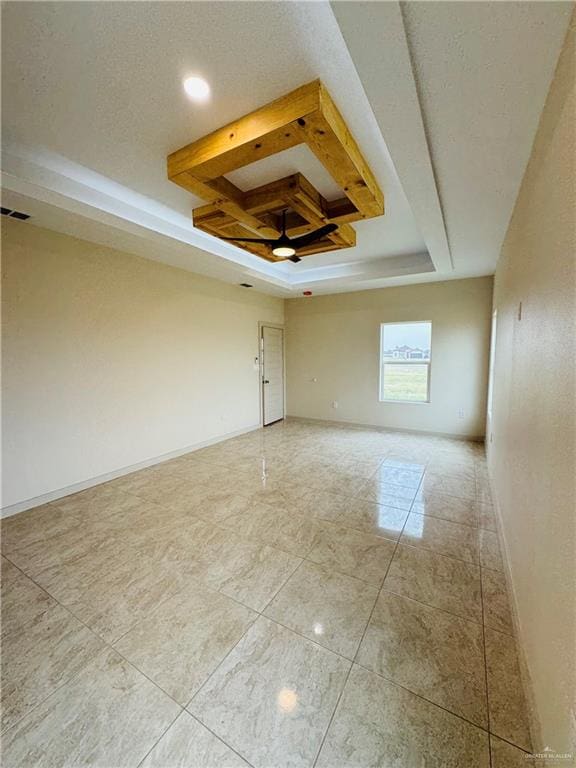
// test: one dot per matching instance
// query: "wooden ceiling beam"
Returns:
(271, 196)
(258, 250)
(328, 137)
(342, 211)
(306, 115)
(252, 223)
(311, 209)
(294, 192)
(240, 138)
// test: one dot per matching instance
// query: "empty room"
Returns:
(288, 384)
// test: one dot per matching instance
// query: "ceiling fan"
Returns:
(286, 246)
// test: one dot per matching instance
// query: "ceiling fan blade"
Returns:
(250, 240)
(311, 237)
(297, 242)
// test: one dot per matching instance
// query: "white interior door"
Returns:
(272, 374)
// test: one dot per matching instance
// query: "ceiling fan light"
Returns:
(283, 250)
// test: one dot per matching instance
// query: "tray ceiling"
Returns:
(93, 103)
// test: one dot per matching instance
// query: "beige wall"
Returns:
(531, 458)
(335, 339)
(110, 360)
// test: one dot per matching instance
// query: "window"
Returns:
(405, 362)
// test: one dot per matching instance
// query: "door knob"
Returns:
(266, 381)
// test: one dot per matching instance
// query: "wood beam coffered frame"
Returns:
(305, 116)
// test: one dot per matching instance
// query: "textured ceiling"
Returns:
(93, 103)
(100, 84)
(482, 71)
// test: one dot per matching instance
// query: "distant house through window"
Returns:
(405, 354)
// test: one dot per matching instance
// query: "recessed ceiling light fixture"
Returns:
(197, 88)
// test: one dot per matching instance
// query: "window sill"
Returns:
(405, 402)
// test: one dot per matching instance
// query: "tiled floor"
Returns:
(301, 595)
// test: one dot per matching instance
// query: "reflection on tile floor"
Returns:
(304, 595)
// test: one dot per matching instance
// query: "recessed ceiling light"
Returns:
(197, 88)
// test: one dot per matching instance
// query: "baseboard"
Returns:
(380, 428)
(22, 506)
(533, 719)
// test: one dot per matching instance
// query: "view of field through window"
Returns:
(405, 361)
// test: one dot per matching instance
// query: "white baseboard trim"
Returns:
(22, 506)
(533, 717)
(380, 428)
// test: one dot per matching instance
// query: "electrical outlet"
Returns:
(334, 403)
(461, 413)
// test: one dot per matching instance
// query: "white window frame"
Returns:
(383, 362)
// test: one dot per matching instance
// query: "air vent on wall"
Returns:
(15, 214)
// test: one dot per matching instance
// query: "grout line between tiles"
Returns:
(333, 715)
(476, 564)
(221, 524)
(245, 759)
(261, 542)
(385, 576)
(436, 552)
(486, 624)
(363, 635)
(217, 667)
(516, 746)
(429, 701)
(164, 732)
(309, 639)
(185, 707)
(184, 713)
(373, 584)
(477, 623)
(108, 646)
(281, 587)
(274, 621)
(52, 693)
(441, 554)
(261, 613)
(485, 665)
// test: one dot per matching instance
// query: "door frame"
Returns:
(280, 326)
(491, 371)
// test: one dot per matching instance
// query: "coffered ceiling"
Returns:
(443, 100)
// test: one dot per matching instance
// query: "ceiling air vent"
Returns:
(15, 214)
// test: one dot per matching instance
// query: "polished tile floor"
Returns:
(303, 595)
